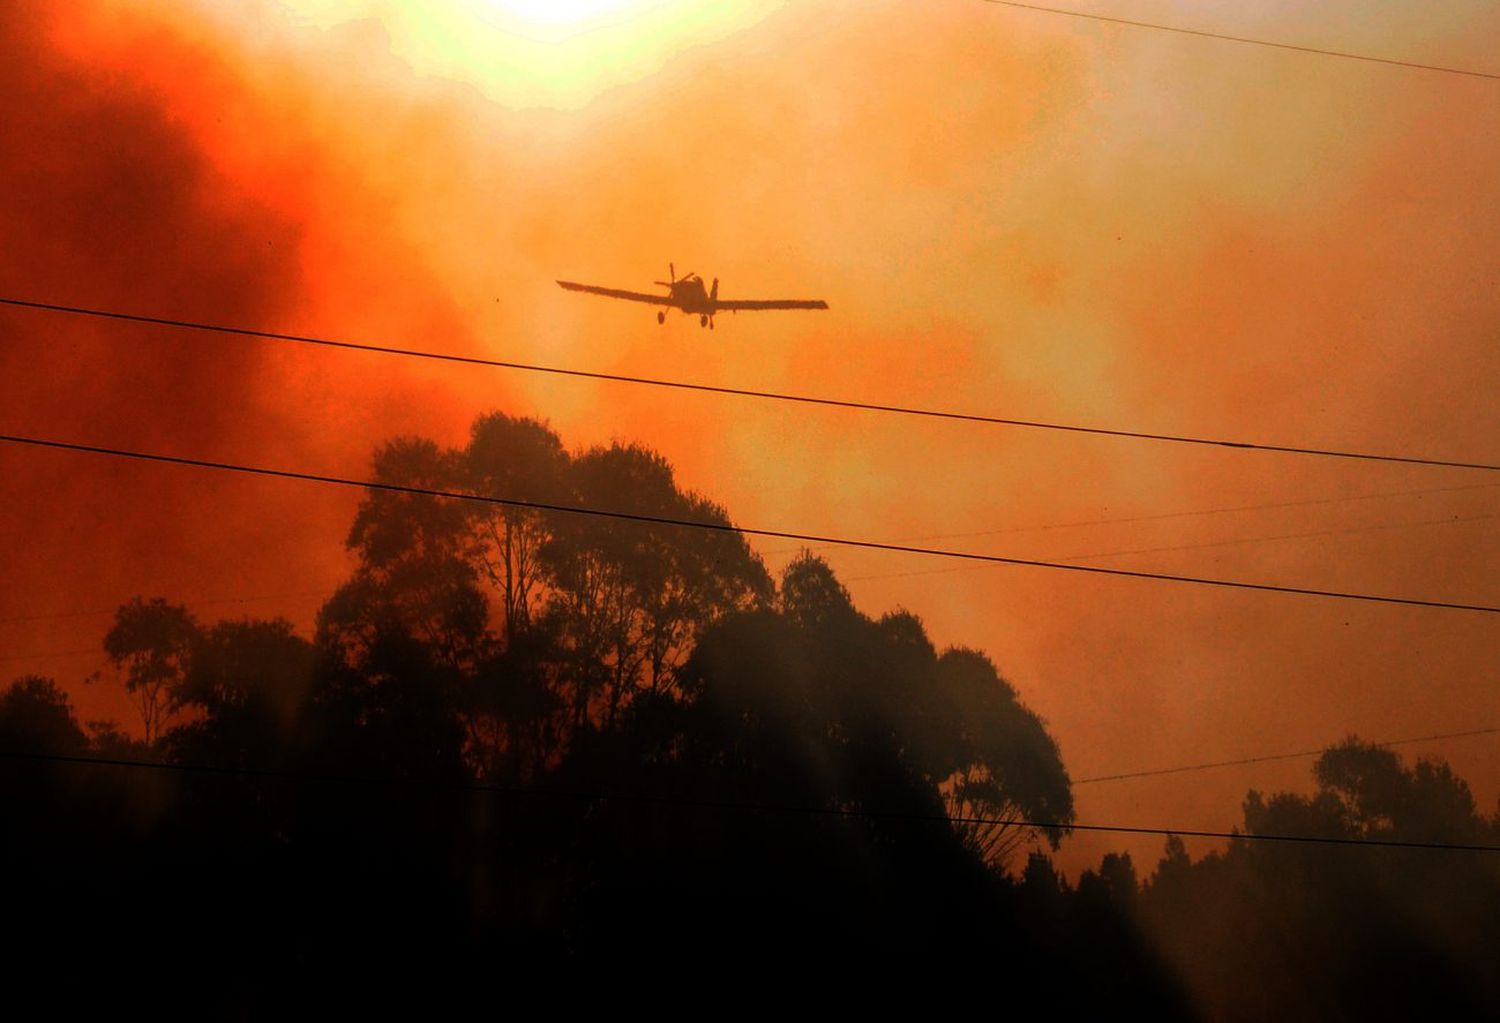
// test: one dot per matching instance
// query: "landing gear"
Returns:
(703, 321)
(661, 317)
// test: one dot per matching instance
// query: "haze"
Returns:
(1009, 213)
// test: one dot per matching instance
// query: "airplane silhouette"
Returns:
(687, 294)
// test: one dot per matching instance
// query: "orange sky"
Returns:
(1009, 213)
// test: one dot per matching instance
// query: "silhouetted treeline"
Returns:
(1268, 929)
(523, 744)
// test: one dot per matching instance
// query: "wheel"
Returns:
(703, 321)
(661, 317)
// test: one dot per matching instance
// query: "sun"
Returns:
(541, 53)
(570, 13)
(553, 21)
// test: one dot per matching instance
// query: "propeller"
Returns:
(672, 273)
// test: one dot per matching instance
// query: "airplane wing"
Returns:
(633, 296)
(748, 304)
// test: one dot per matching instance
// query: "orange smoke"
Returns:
(1024, 217)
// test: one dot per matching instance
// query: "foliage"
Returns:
(151, 642)
(1272, 928)
(529, 738)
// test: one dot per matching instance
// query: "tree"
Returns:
(633, 595)
(999, 762)
(152, 641)
(414, 572)
(249, 680)
(37, 717)
(872, 716)
(520, 459)
(812, 597)
(959, 723)
(1114, 881)
(1382, 931)
(590, 611)
(512, 707)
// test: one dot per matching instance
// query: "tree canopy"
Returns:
(553, 740)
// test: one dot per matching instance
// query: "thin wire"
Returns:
(805, 399)
(1191, 513)
(1201, 511)
(733, 805)
(102, 611)
(210, 602)
(1231, 542)
(724, 527)
(1203, 33)
(1274, 756)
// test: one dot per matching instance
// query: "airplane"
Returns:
(687, 294)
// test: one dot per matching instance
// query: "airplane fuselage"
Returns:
(692, 297)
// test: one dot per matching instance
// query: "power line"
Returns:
(725, 527)
(1194, 512)
(1043, 527)
(1077, 524)
(1203, 33)
(1231, 542)
(209, 602)
(1274, 756)
(729, 805)
(805, 399)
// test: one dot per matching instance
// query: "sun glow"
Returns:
(578, 15)
(541, 53)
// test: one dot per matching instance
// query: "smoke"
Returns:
(111, 196)
(1010, 215)
(105, 201)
